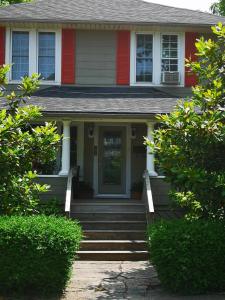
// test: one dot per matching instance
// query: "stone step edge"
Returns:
(109, 212)
(116, 231)
(107, 204)
(112, 222)
(113, 252)
(113, 241)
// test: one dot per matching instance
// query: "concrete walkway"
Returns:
(99, 280)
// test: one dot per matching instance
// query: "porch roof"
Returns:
(56, 100)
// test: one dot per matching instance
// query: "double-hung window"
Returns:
(20, 54)
(144, 58)
(46, 55)
(35, 51)
(169, 52)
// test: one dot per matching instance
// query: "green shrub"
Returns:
(51, 207)
(189, 256)
(36, 253)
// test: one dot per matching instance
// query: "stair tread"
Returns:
(113, 222)
(113, 241)
(108, 204)
(108, 212)
(113, 252)
(116, 231)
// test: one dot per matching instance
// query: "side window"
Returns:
(144, 58)
(20, 54)
(169, 53)
(46, 55)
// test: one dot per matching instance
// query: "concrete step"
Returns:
(111, 245)
(109, 216)
(107, 208)
(115, 234)
(113, 255)
(103, 207)
(113, 225)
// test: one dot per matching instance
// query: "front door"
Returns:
(112, 160)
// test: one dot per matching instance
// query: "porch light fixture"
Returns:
(91, 131)
(133, 133)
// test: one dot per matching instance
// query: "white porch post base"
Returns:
(65, 149)
(150, 166)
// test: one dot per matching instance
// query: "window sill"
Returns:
(41, 82)
(150, 84)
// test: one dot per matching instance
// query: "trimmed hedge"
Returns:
(37, 253)
(189, 256)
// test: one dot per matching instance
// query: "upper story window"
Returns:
(34, 51)
(157, 58)
(144, 55)
(46, 55)
(20, 54)
(169, 52)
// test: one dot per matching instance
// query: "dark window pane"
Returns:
(173, 38)
(20, 54)
(112, 158)
(46, 55)
(173, 54)
(173, 68)
(144, 58)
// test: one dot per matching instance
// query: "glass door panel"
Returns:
(111, 159)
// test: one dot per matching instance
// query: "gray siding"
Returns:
(160, 190)
(57, 188)
(95, 57)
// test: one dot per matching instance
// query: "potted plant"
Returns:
(85, 191)
(136, 190)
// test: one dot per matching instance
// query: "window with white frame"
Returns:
(46, 55)
(169, 52)
(34, 51)
(20, 54)
(144, 57)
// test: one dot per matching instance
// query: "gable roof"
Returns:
(105, 11)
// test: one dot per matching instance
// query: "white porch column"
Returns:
(150, 166)
(65, 149)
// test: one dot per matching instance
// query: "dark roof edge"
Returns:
(97, 114)
(62, 22)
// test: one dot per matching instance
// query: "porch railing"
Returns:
(148, 199)
(69, 191)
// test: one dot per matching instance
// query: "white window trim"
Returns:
(157, 58)
(33, 53)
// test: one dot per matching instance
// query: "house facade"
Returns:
(107, 69)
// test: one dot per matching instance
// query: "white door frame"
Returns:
(128, 161)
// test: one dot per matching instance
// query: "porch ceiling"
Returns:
(107, 100)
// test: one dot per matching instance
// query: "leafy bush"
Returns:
(36, 253)
(21, 146)
(189, 255)
(190, 144)
(51, 207)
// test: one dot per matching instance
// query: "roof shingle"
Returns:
(115, 100)
(103, 11)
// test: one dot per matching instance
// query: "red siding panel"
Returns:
(123, 58)
(68, 56)
(2, 45)
(190, 50)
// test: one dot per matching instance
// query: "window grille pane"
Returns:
(20, 54)
(46, 55)
(144, 65)
(169, 53)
